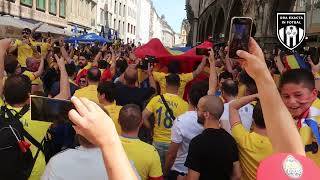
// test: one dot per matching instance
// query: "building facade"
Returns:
(82, 14)
(143, 21)
(51, 12)
(102, 15)
(168, 35)
(181, 38)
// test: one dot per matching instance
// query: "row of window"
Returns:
(131, 29)
(121, 27)
(41, 5)
(121, 10)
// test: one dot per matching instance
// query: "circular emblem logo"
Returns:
(292, 167)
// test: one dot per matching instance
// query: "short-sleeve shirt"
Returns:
(37, 129)
(114, 111)
(253, 148)
(33, 79)
(24, 52)
(245, 113)
(184, 129)
(212, 154)
(161, 78)
(163, 120)
(144, 156)
(90, 92)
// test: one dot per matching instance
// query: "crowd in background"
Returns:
(229, 123)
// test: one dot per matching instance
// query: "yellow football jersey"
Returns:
(163, 121)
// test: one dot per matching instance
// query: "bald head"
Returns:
(230, 88)
(211, 104)
(131, 75)
(94, 74)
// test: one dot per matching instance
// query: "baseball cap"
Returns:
(288, 166)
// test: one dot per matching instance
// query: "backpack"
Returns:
(15, 164)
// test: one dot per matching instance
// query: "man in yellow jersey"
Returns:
(90, 92)
(25, 46)
(144, 156)
(16, 92)
(174, 68)
(163, 117)
(298, 92)
(34, 70)
(106, 95)
(253, 146)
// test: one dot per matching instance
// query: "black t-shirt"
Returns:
(132, 95)
(212, 154)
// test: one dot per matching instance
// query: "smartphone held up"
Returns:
(50, 110)
(202, 51)
(240, 32)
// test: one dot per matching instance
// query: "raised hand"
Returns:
(61, 41)
(253, 61)
(92, 122)
(5, 44)
(60, 61)
(314, 67)
(212, 59)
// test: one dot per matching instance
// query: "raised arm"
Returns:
(64, 80)
(236, 105)
(145, 117)
(213, 79)
(113, 62)
(63, 51)
(278, 63)
(152, 82)
(4, 46)
(95, 125)
(40, 70)
(36, 27)
(200, 67)
(282, 131)
(98, 56)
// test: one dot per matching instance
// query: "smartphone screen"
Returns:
(240, 31)
(313, 51)
(202, 51)
(39, 49)
(50, 110)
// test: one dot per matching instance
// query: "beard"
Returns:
(82, 65)
(200, 120)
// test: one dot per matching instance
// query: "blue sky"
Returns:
(173, 11)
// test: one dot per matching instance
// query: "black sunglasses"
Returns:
(25, 32)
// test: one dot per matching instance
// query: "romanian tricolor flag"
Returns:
(295, 61)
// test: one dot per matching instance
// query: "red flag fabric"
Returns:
(155, 48)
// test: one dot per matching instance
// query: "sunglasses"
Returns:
(82, 82)
(27, 33)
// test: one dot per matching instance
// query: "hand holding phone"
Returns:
(240, 31)
(202, 52)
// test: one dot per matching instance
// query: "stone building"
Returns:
(83, 14)
(29, 12)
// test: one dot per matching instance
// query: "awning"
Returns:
(12, 26)
(15, 22)
(45, 28)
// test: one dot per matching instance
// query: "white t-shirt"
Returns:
(80, 164)
(245, 113)
(184, 129)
